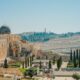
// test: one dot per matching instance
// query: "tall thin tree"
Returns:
(71, 57)
(59, 63)
(40, 65)
(79, 59)
(5, 65)
(50, 66)
(74, 60)
(77, 54)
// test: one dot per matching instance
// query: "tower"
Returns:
(45, 30)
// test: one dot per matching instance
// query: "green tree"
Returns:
(5, 64)
(59, 63)
(25, 53)
(30, 61)
(77, 54)
(46, 57)
(79, 60)
(40, 65)
(76, 76)
(74, 60)
(50, 66)
(31, 73)
(33, 57)
(71, 56)
(53, 61)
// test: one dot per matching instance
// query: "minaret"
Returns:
(45, 30)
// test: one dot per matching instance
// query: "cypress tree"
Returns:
(71, 57)
(32, 57)
(46, 57)
(50, 66)
(79, 59)
(25, 62)
(5, 64)
(40, 65)
(30, 61)
(77, 54)
(74, 61)
(54, 60)
(59, 63)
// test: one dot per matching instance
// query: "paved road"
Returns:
(63, 78)
(65, 73)
(56, 78)
(61, 73)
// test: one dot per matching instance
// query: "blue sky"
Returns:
(58, 16)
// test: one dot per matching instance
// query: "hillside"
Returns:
(61, 44)
(44, 36)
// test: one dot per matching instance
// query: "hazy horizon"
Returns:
(58, 16)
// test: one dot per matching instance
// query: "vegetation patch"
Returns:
(23, 70)
(15, 65)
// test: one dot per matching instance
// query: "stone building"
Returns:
(13, 48)
(5, 41)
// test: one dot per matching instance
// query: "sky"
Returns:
(59, 16)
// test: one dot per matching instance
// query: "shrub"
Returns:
(76, 76)
(23, 70)
(17, 64)
(70, 64)
(29, 72)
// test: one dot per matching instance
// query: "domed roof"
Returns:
(5, 30)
